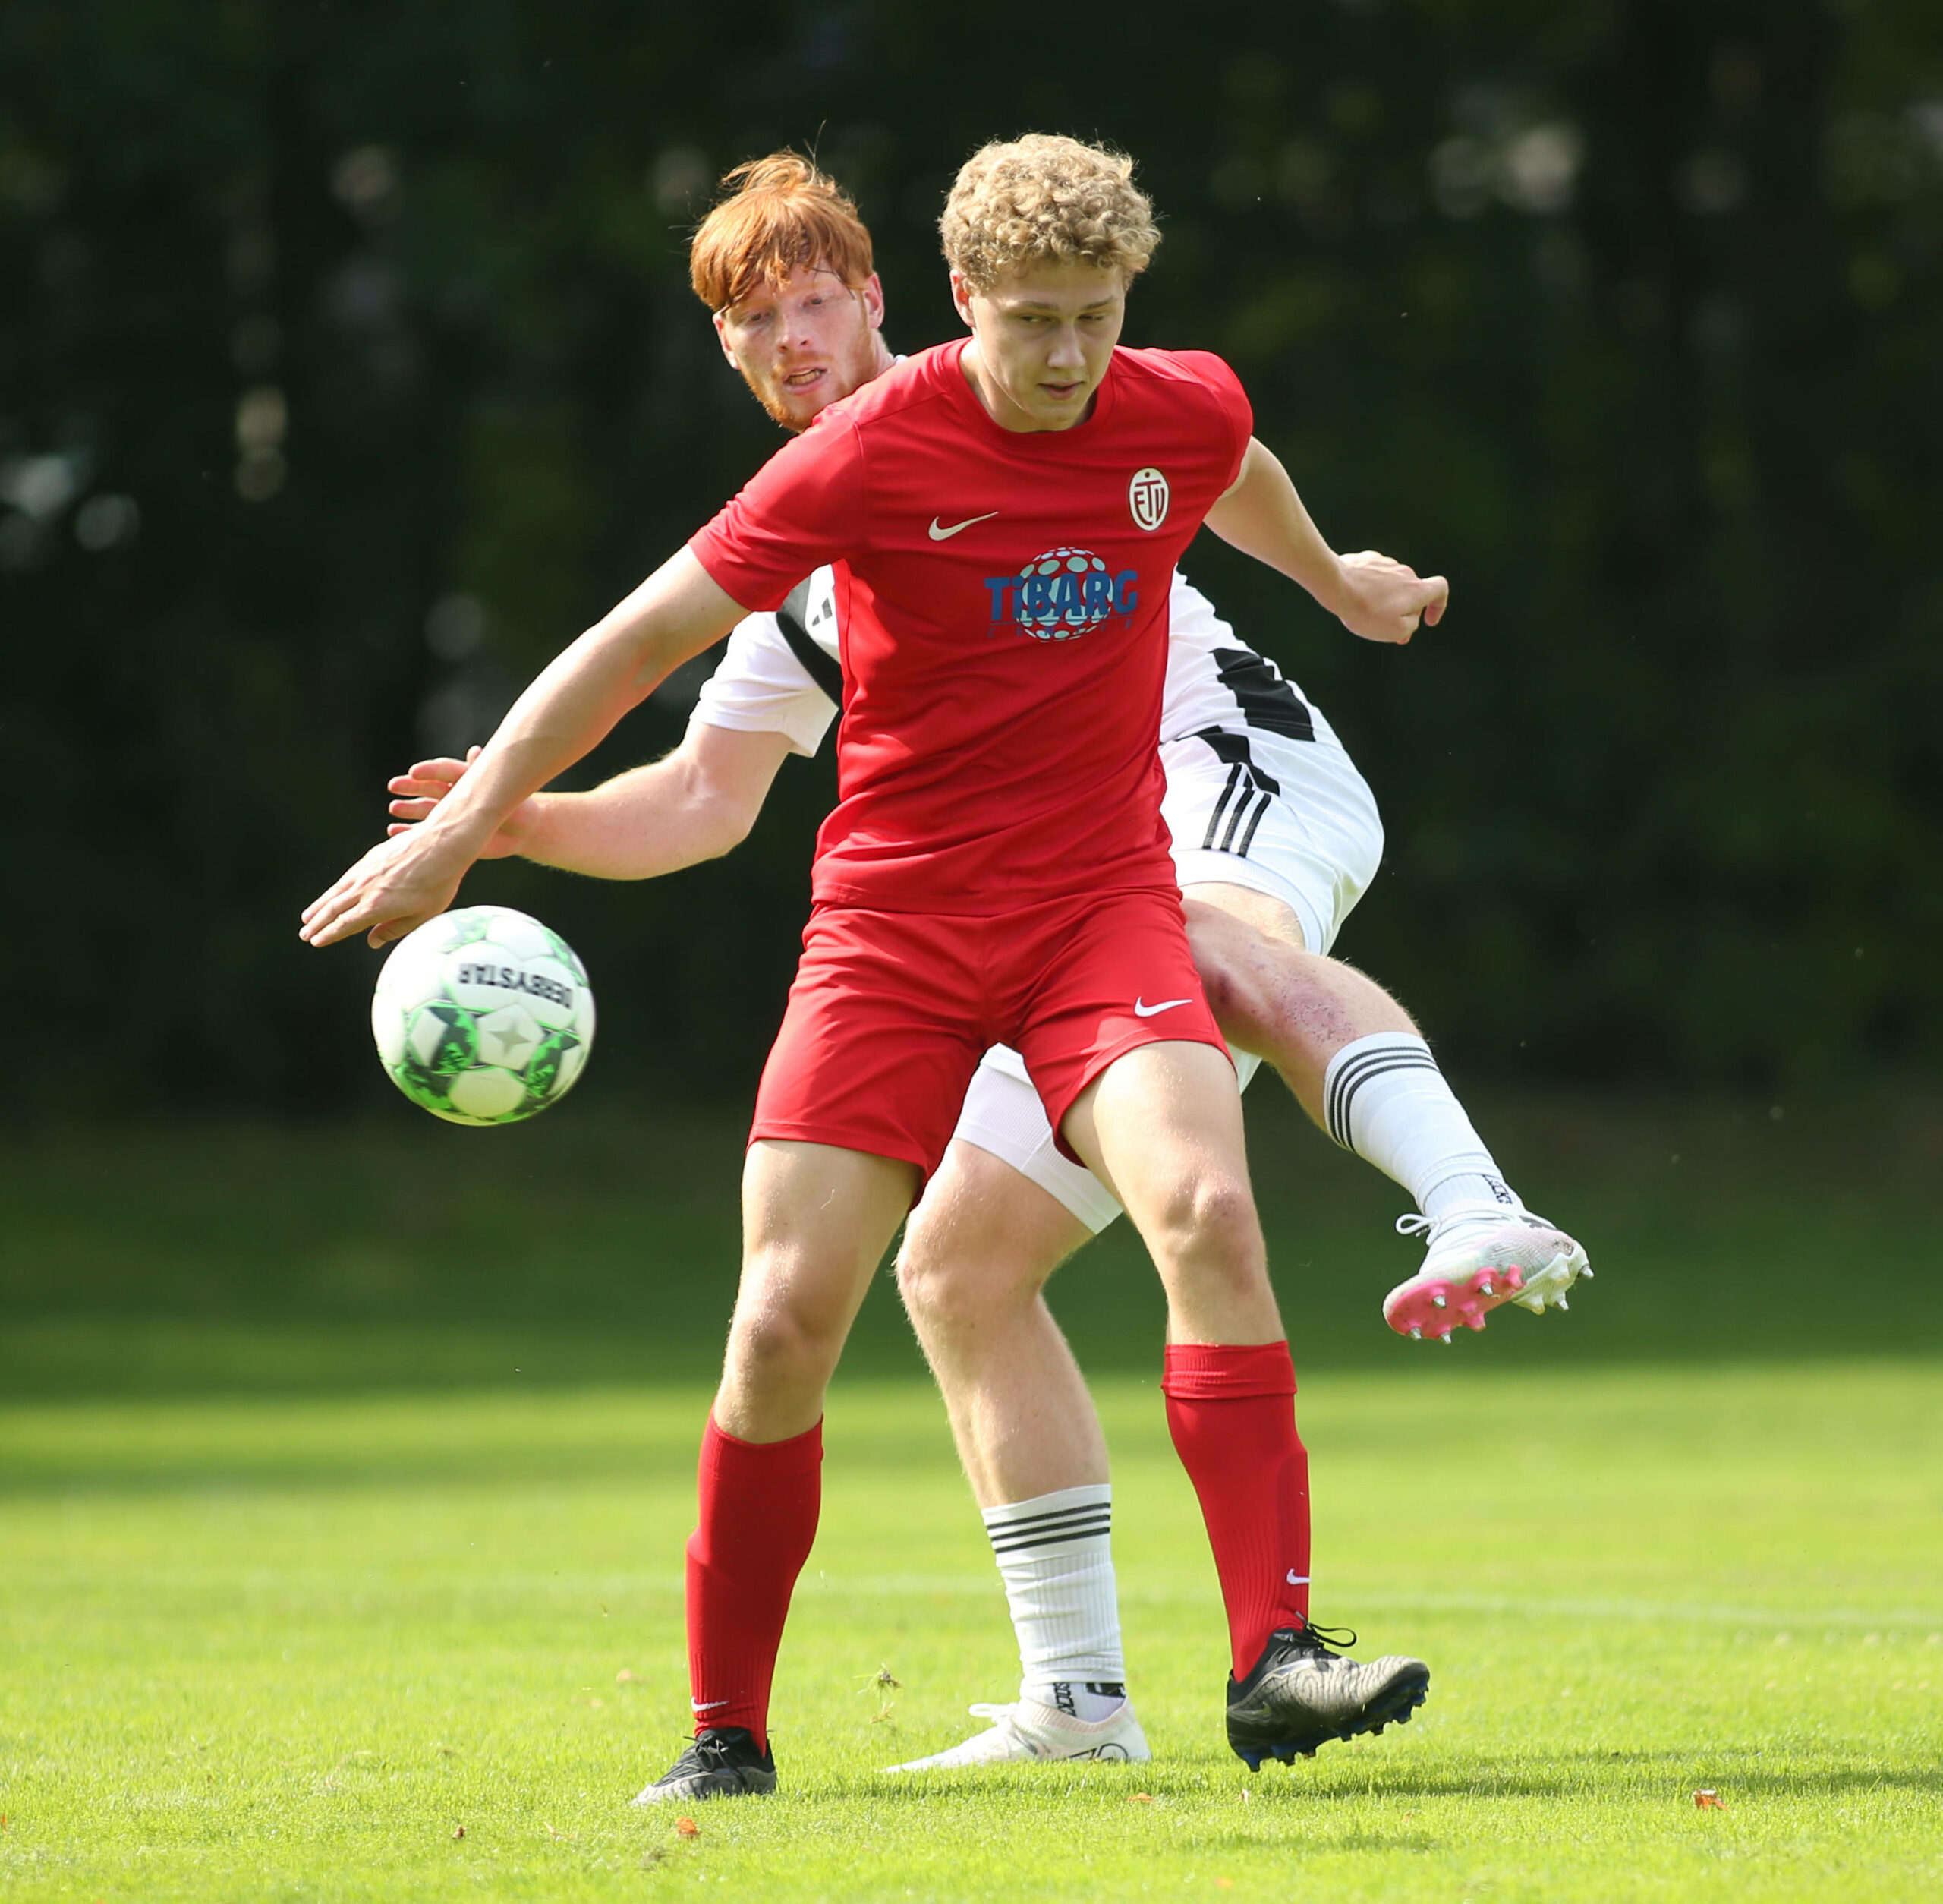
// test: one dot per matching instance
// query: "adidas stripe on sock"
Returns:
(1055, 1554)
(1384, 1098)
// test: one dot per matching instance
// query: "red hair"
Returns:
(781, 213)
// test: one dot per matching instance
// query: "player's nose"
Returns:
(1065, 346)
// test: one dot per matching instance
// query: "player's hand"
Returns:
(1383, 601)
(400, 884)
(416, 791)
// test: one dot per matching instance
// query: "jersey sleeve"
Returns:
(761, 687)
(804, 507)
(1226, 388)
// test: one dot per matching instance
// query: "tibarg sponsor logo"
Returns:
(1058, 596)
(510, 977)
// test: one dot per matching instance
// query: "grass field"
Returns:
(299, 1581)
(282, 1651)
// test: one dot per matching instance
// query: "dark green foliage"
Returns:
(1626, 316)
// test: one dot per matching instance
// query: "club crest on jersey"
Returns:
(1146, 495)
(1058, 596)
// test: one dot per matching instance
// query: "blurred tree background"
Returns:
(348, 368)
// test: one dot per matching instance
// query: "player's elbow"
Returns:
(721, 826)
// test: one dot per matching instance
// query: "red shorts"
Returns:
(891, 1013)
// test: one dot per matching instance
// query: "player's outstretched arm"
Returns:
(1380, 600)
(570, 706)
(692, 805)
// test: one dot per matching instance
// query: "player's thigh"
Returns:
(984, 1237)
(817, 1220)
(1223, 906)
(1162, 1126)
(1004, 1116)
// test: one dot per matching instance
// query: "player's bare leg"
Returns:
(1360, 1068)
(976, 1255)
(816, 1222)
(1162, 1127)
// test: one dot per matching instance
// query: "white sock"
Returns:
(1386, 1100)
(1055, 1555)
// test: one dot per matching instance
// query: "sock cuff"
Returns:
(1219, 1372)
(1067, 1518)
(1356, 1064)
(1093, 1494)
(722, 1454)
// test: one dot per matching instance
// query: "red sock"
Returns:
(759, 1503)
(1231, 1413)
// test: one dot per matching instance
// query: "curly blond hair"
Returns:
(1023, 202)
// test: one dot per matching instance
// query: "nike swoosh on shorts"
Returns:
(1141, 1010)
(945, 535)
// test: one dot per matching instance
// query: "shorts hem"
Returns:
(870, 1143)
(1087, 1200)
(1202, 866)
(1133, 1041)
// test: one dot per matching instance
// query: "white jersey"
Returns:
(782, 673)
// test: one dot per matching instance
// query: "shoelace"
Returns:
(1416, 1224)
(1340, 1639)
(709, 1754)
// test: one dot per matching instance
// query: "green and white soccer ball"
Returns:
(483, 1015)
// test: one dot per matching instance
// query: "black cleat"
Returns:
(1299, 1695)
(721, 1762)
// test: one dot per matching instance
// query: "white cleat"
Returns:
(1027, 1731)
(1478, 1257)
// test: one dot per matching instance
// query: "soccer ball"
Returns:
(483, 1015)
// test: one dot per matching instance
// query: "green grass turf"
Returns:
(288, 1649)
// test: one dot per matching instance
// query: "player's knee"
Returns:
(787, 1338)
(1207, 1221)
(948, 1290)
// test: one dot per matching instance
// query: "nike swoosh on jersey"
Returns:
(945, 535)
(1141, 1010)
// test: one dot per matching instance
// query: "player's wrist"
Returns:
(531, 827)
(1336, 591)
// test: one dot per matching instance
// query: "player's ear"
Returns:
(722, 337)
(873, 292)
(961, 296)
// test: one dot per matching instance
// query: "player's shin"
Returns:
(1231, 1412)
(1385, 1099)
(759, 1504)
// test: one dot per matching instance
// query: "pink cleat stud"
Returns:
(1478, 1259)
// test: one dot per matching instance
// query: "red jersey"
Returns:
(1003, 600)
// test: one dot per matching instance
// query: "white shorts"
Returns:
(1290, 818)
